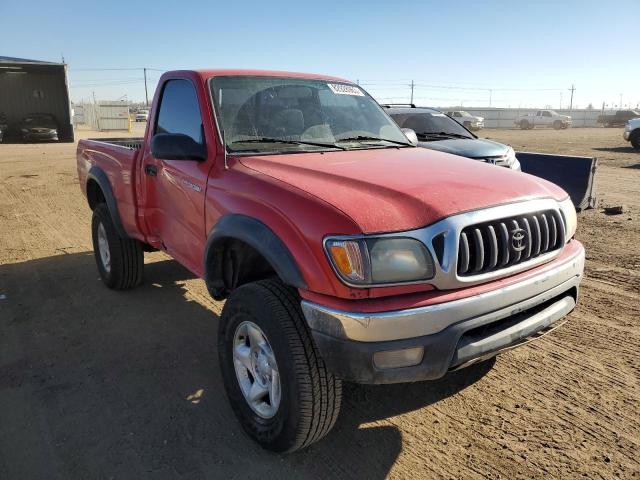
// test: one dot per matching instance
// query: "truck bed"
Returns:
(116, 158)
(133, 143)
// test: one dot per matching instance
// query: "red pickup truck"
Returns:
(344, 252)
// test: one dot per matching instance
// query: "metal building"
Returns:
(32, 86)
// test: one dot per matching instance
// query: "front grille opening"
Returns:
(438, 247)
(498, 244)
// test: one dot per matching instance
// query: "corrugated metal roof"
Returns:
(25, 60)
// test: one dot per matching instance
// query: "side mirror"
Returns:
(177, 146)
(411, 136)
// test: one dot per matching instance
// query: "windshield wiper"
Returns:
(365, 137)
(442, 134)
(291, 142)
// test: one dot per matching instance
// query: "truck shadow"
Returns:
(628, 149)
(96, 383)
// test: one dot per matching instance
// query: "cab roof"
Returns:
(266, 73)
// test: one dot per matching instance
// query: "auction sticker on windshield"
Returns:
(342, 89)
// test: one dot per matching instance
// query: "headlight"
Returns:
(379, 261)
(511, 160)
(570, 218)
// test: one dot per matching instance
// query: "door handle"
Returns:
(150, 170)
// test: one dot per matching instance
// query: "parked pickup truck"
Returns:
(618, 119)
(632, 132)
(541, 118)
(467, 120)
(344, 252)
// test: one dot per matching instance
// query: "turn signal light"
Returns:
(347, 258)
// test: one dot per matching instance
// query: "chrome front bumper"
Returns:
(445, 336)
(626, 135)
(491, 306)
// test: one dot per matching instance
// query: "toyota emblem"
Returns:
(518, 239)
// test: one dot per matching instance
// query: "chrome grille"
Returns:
(496, 244)
(500, 160)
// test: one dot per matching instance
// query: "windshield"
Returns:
(431, 124)
(273, 114)
(465, 114)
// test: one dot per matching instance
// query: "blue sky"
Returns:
(527, 53)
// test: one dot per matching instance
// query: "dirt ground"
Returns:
(102, 384)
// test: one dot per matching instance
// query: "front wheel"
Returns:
(635, 139)
(276, 381)
(524, 125)
(557, 124)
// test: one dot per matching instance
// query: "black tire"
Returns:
(126, 255)
(524, 125)
(635, 139)
(557, 125)
(311, 396)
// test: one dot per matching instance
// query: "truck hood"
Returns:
(471, 148)
(397, 189)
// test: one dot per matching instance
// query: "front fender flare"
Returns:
(258, 236)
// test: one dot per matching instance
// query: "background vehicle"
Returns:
(3, 125)
(344, 252)
(548, 118)
(469, 121)
(38, 126)
(619, 118)
(142, 116)
(437, 131)
(632, 132)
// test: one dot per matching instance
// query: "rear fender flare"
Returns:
(100, 177)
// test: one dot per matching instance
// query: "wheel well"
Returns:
(95, 196)
(232, 263)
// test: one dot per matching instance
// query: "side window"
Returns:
(179, 110)
(546, 114)
(457, 114)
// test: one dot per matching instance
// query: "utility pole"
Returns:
(560, 101)
(620, 101)
(146, 93)
(490, 96)
(572, 89)
(412, 85)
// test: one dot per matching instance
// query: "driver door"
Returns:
(175, 189)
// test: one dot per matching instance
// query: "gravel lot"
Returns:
(101, 384)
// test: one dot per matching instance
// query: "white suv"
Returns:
(632, 132)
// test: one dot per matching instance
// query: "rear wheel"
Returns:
(276, 381)
(635, 139)
(524, 125)
(120, 261)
